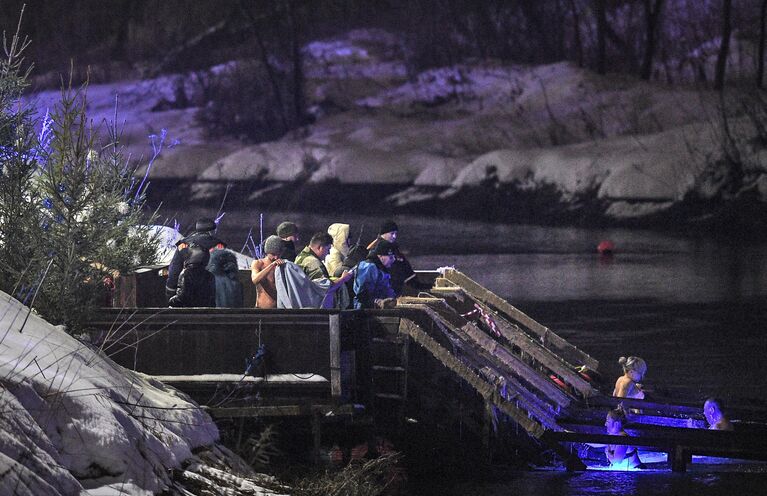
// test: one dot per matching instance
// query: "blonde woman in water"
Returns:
(627, 385)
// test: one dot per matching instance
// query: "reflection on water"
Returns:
(671, 277)
(610, 483)
(544, 263)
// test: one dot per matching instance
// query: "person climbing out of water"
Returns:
(627, 385)
(201, 236)
(288, 232)
(620, 455)
(717, 420)
(262, 272)
(372, 283)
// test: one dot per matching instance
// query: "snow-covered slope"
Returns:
(74, 422)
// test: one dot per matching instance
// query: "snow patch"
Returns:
(73, 419)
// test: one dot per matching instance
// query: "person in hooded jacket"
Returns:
(223, 266)
(201, 236)
(340, 248)
(372, 282)
(196, 286)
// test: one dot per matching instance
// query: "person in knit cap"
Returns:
(288, 232)
(201, 236)
(372, 282)
(262, 272)
(401, 271)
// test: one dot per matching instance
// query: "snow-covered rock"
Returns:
(73, 422)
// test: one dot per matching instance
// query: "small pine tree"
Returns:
(92, 218)
(18, 166)
(71, 215)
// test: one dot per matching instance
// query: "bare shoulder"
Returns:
(257, 264)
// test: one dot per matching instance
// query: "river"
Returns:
(693, 308)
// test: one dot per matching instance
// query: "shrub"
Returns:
(250, 102)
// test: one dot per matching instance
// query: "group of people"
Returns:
(330, 272)
(348, 275)
(628, 386)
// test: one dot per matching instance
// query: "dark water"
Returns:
(693, 308)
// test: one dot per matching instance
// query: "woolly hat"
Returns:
(388, 226)
(204, 225)
(286, 229)
(274, 245)
(384, 248)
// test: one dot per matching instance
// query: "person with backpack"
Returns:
(203, 237)
(196, 286)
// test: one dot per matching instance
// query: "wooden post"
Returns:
(681, 456)
(334, 329)
(487, 433)
(240, 428)
(316, 437)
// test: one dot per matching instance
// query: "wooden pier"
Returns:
(385, 368)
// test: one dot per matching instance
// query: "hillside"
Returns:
(570, 145)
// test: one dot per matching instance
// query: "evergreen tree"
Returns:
(71, 214)
(18, 166)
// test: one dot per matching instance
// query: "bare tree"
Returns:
(601, 15)
(577, 33)
(760, 54)
(652, 11)
(724, 48)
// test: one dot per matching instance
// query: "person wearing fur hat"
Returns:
(262, 272)
(202, 236)
(288, 232)
(401, 271)
(372, 282)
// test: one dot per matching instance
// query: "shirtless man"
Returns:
(262, 273)
(627, 385)
(717, 420)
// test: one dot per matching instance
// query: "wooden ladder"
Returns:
(389, 369)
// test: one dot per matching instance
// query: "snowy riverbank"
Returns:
(74, 422)
(610, 148)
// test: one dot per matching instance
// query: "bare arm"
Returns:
(257, 274)
(615, 453)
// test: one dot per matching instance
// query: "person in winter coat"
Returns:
(372, 282)
(201, 236)
(401, 271)
(340, 248)
(288, 233)
(196, 286)
(223, 266)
